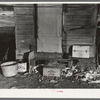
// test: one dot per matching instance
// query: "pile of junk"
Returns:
(53, 70)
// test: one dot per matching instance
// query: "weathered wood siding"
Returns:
(79, 24)
(24, 17)
(4, 31)
(79, 21)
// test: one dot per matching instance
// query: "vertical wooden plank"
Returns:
(24, 36)
(95, 34)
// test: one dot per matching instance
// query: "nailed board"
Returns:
(49, 28)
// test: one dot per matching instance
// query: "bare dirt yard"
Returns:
(71, 77)
(37, 81)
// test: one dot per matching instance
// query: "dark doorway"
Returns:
(7, 33)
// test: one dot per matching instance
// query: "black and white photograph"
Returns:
(50, 46)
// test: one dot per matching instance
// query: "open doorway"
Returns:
(49, 28)
(7, 33)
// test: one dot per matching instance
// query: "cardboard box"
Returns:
(52, 71)
(81, 51)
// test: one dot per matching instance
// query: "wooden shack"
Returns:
(54, 28)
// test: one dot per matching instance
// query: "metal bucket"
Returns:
(9, 68)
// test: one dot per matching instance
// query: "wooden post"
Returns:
(95, 37)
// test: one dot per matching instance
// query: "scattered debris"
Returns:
(97, 81)
(71, 73)
(56, 85)
(13, 87)
(53, 81)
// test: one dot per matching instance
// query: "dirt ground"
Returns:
(36, 81)
(68, 83)
(18, 82)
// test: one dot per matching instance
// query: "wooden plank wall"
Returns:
(24, 17)
(79, 24)
(6, 31)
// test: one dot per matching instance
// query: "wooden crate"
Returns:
(52, 71)
(82, 51)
